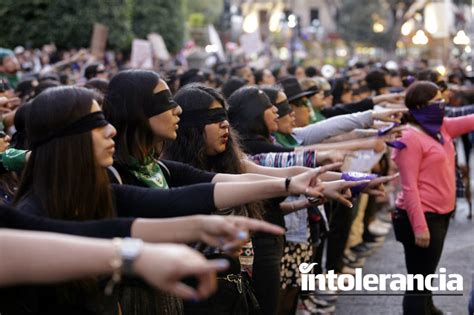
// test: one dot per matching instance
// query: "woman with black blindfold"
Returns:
(310, 136)
(141, 117)
(206, 141)
(65, 178)
(139, 104)
(254, 117)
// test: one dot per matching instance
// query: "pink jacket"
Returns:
(427, 171)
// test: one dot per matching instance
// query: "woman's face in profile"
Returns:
(270, 118)
(164, 125)
(216, 135)
(285, 123)
(102, 142)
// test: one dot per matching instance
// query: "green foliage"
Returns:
(69, 23)
(209, 9)
(356, 22)
(162, 16)
(196, 20)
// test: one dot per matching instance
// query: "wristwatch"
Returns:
(130, 250)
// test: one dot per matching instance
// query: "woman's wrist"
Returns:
(194, 227)
(184, 229)
(378, 99)
(126, 252)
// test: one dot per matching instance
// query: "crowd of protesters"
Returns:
(107, 169)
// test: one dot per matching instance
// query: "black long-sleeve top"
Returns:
(177, 174)
(131, 201)
(343, 109)
(258, 144)
(107, 228)
(255, 145)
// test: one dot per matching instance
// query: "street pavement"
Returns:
(457, 257)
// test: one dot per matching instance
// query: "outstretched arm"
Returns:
(36, 257)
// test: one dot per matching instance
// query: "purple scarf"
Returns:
(430, 119)
(395, 143)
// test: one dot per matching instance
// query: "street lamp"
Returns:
(441, 70)
(378, 27)
(461, 39)
(420, 38)
(274, 25)
(408, 27)
(250, 22)
(292, 23)
(431, 18)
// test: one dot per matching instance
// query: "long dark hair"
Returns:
(340, 87)
(189, 146)
(63, 172)
(246, 109)
(272, 92)
(124, 108)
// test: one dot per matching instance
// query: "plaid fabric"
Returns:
(460, 189)
(457, 112)
(285, 159)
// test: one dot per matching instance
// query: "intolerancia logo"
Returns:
(379, 282)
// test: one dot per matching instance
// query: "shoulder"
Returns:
(168, 165)
(410, 135)
(31, 204)
(413, 139)
(125, 174)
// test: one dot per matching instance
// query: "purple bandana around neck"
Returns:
(430, 119)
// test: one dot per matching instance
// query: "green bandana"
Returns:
(149, 173)
(288, 141)
(13, 79)
(317, 116)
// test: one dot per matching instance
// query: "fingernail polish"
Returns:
(242, 235)
(222, 263)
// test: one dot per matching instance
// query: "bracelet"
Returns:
(116, 264)
(313, 200)
(287, 184)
